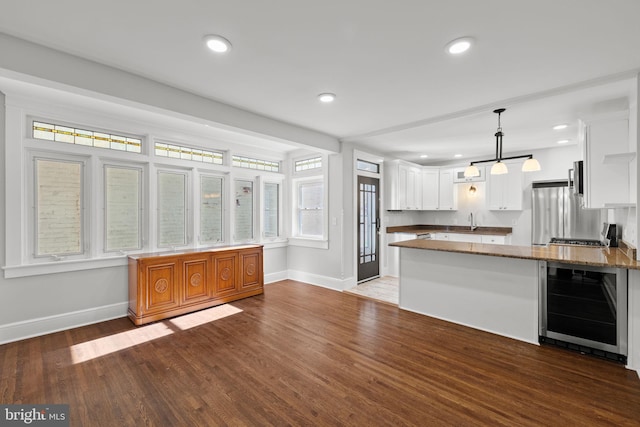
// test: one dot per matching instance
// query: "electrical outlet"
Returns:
(514, 222)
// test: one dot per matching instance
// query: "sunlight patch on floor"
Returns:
(110, 344)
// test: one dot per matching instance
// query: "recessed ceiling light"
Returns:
(327, 97)
(457, 156)
(563, 141)
(458, 46)
(217, 43)
(423, 156)
(560, 126)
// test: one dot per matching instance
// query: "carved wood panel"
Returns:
(226, 273)
(161, 292)
(251, 269)
(195, 281)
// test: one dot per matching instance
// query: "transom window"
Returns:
(308, 164)
(187, 153)
(251, 163)
(71, 135)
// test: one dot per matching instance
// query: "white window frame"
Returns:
(254, 207)
(281, 233)
(32, 157)
(142, 203)
(316, 174)
(225, 209)
(188, 224)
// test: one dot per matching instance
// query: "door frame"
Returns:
(373, 158)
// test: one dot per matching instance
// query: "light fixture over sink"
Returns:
(499, 168)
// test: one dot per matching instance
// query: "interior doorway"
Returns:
(368, 228)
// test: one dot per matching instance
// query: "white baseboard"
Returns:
(275, 277)
(60, 322)
(323, 281)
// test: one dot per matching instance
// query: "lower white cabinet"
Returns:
(495, 240)
(470, 238)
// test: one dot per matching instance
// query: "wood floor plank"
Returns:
(305, 355)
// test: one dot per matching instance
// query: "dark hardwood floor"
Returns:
(305, 355)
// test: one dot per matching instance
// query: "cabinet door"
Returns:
(225, 274)
(512, 198)
(447, 196)
(606, 182)
(161, 285)
(505, 191)
(250, 270)
(467, 238)
(430, 189)
(195, 280)
(403, 183)
(494, 240)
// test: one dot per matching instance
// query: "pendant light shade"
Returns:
(499, 168)
(471, 171)
(531, 165)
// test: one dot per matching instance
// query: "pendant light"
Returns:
(499, 168)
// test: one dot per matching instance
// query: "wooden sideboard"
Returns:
(163, 285)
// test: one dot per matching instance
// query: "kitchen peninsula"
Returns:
(494, 288)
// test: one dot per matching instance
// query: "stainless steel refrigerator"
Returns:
(557, 212)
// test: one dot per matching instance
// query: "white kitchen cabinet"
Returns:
(430, 188)
(393, 252)
(606, 161)
(462, 237)
(447, 196)
(504, 192)
(471, 238)
(403, 184)
(494, 240)
(458, 175)
(438, 191)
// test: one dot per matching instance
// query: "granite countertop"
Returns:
(582, 255)
(493, 231)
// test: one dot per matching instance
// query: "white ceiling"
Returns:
(546, 61)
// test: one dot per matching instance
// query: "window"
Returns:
(122, 217)
(243, 212)
(250, 163)
(363, 165)
(211, 209)
(172, 209)
(308, 164)
(271, 210)
(59, 206)
(71, 135)
(186, 153)
(310, 209)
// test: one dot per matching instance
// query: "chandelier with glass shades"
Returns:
(499, 168)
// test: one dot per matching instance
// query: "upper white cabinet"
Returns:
(430, 188)
(504, 192)
(438, 192)
(458, 175)
(403, 184)
(605, 147)
(448, 197)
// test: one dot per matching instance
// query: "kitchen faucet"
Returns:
(473, 227)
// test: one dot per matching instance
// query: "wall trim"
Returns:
(318, 280)
(60, 322)
(275, 277)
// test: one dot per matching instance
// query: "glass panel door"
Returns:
(368, 228)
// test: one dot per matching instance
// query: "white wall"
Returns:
(327, 267)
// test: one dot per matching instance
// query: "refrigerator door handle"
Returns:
(570, 180)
